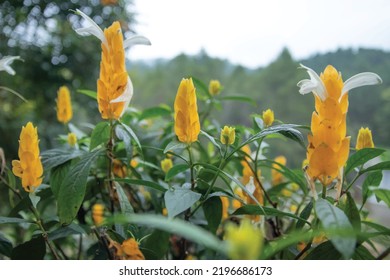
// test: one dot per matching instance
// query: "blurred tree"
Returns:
(41, 33)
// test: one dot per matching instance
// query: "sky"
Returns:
(254, 32)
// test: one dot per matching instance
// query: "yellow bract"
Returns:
(364, 139)
(244, 242)
(187, 126)
(98, 214)
(29, 166)
(64, 105)
(113, 79)
(268, 117)
(214, 87)
(228, 135)
(72, 139)
(119, 169)
(128, 250)
(276, 176)
(166, 164)
(225, 207)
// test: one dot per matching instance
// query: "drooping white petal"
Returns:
(93, 29)
(314, 85)
(5, 63)
(125, 96)
(136, 40)
(359, 80)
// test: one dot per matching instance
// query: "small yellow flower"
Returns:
(268, 117)
(29, 166)
(166, 164)
(277, 177)
(228, 135)
(364, 139)
(165, 211)
(187, 125)
(134, 163)
(72, 139)
(128, 250)
(98, 214)
(64, 105)
(293, 208)
(245, 242)
(214, 87)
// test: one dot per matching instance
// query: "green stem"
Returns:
(110, 177)
(323, 191)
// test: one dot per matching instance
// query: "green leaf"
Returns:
(174, 226)
(361, 253)
(373, 179)
(35, 249)
(155, 112)
(361, 157)
(241, 98)
(252, 209)
(174, 145)
(100, 135)
(66, 231)
(179, 200)
(352, 212)
(126, 207)
(201, 89)
(55, 157)
(385, 165)
(5, 246)
(145, 183)
(34, 198)
(132, 135)
(72, 190)
(382, 194)
(337, 227)
(176, 169)
(7, 220)
(212, 209)
(57, 176)
(211, 138)
(324, 251)
(305, 214)
(156, 245)
(124, 136)
(89, 93)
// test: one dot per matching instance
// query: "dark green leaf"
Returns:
(7, 220)
(201, 89)
(324, 251)
(57, 176)
(35, 249)
(66, 231)
(174, 145)
(5, 246)
(212, 209)
(155, 112)
(385, 165)
(55, 157)
(145, 183)
(337, 227)
(179, 200)
(373, 179)
(241, 98)
(100, 135)
(361, 157)
(124, 136)
(72, 190)
(352, 212)
(132, 135)
(156, 245)
(361, 253)
(126, 207)
(305, 214)
(176, 169)
(382, 194)
(89, 93)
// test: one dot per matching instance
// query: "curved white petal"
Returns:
(125, 96)
(5, 63)
(93, 29)
(359, 80)
(314, 85)
(136, 40)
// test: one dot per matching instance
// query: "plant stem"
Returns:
(110, 177)
(323, 191)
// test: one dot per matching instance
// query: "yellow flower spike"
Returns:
(268, 117)
(98, 214)
(276, 176)
(119, 169)
(328, 147)
(214, 87)
(228, 135)
(364, 139)
(166, 164)
(64, 105)
(72, 139)
(245, 242)
(29, 166)
(187, 126)
(114, 87)
(225, 207)
(128, 250)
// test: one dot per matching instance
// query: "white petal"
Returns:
(359, 80)
(314, 85)
(136, 40)
(125, 96)
(93, 29)
(5, 64)
(251, 186)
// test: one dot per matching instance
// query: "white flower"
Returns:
(5, 64)
(316, 85)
